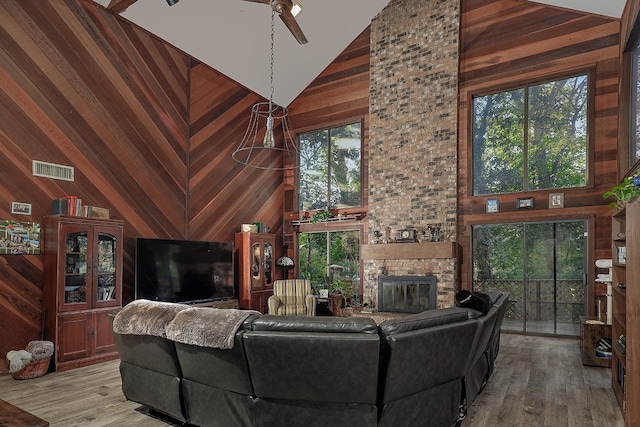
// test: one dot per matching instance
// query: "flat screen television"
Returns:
(183, 271)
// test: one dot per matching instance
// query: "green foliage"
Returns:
(531, 138)
(502, 251)
(341, 286)
(330, 168)
(321, 216)
(626, 190)
(321, 249)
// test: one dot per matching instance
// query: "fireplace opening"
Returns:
(406, 294)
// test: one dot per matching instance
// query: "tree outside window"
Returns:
(330, 168)
(634, 148)
(328, 256)
(531, 138)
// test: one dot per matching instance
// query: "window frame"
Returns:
(631, 64)
(590, 73)
(363, 166)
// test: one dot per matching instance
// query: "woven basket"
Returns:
(33, 369)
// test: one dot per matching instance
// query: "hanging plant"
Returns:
(626, 190)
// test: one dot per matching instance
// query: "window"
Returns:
(531, 138)
(330, 168)
(328, 256)
(634, 148)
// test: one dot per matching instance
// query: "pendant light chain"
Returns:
(273, 14)
(259, 150)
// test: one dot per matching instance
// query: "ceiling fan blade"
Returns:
(293, 26)
(260, 1)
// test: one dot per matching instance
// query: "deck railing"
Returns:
(568, 298)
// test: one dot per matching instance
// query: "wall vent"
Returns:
(51, 170)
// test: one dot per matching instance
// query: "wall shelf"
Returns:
(424, 250)
(341, 218)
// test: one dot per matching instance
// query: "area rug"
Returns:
(11, 415)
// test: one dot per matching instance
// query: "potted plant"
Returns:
(342, 287)
(321, 216)
(628, 188)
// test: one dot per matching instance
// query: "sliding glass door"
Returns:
(542, 266)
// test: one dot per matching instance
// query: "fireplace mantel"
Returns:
(424, 250)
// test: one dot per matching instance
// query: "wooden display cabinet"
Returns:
(82, 285)
(255, 267)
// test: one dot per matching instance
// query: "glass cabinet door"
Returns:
(256, 261)
(106, 264)
(75, 274)
(268, 262)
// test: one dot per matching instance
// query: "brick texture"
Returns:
(413, 133)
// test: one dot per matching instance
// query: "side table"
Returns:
(591, 330)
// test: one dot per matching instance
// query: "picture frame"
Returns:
(525, 203)
(492, 206)
(19, 237)
(19, 208)
(556, 200)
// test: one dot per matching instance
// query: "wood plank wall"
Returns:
(506, 43)
(148, 130)
(338, 96)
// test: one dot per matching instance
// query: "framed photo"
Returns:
(21, 208)
(19, 237)
(492, 206)
(525, 203)
(556, 200)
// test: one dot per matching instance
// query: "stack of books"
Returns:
(72, 206)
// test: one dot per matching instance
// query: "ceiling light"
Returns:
(296, 9)
(262, 151)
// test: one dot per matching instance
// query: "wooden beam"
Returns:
(119, 6)
(425, 250)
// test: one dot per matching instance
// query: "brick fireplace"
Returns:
(413, 144)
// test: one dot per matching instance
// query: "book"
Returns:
(60, 206)
(98, 212)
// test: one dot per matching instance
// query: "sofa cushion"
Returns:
(494, 295)
(324, 359)
(315, 324)
(427, 319)
(422, 359)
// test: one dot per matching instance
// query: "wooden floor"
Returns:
(538, 381)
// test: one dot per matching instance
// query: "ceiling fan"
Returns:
(283, 9)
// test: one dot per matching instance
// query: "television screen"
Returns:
(183, 270)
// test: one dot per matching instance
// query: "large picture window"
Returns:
(328, 256)
(531, 138)
(634, 147)
(330, 168)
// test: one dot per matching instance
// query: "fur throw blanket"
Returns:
(144, 317)
(207, 327)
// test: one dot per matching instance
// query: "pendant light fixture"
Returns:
(263, 151)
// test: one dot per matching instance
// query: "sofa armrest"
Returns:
(310, 303)
(274, 302)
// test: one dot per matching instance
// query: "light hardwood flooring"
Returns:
(539, 381)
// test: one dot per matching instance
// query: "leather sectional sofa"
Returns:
(225, 367)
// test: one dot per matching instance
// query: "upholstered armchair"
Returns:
(292, 297)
